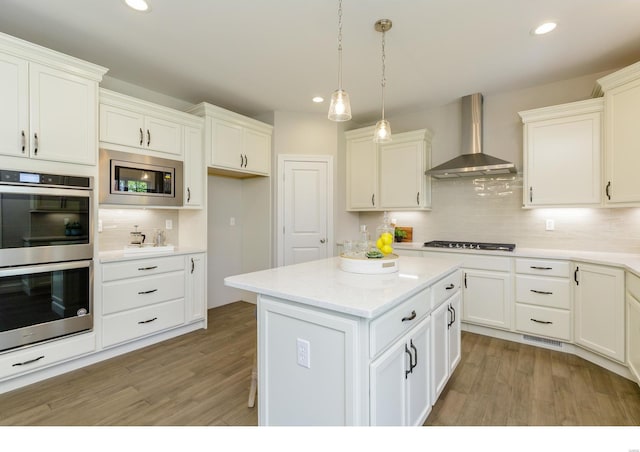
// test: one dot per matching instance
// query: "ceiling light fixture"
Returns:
(138, 5)
(340, 107)
(545, 28)
(382, 132)
(318, 99)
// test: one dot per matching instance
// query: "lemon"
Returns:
(379, 244)
(387, 238)
(386, 249)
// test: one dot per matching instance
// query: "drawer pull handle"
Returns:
(542, 292)
(544, 322)
(411, 317)
(28, 362)
(541, 268)
(450, 286)
(147, 321)
(147, 268)
(144, 292)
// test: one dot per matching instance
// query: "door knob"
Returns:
(323, 240)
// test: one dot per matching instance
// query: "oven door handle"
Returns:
(42, 268)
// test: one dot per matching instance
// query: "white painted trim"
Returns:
(282, 158)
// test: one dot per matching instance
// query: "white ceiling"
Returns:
(254, 56)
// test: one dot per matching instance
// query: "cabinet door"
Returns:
(599, 309)
(633, 336)
(441, 318)
(194, 168)
(388, 376)
(162, 135)
(402, 178)
(226, 146)
(196, 301)
(455, 343)
(120, 126)
(487, 298)
(362, 174)
(257, 152)
(419, 389)
(563, 161)
(622, 159)
(63, 111)
(14, 113)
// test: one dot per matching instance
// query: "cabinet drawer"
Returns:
(633, 285)
(543, 267)
(45, 355)
(543, 321)
(141, 267)
(136, 293)
(398, 321)
(128, 325)
(481, 262)
(550, 292)
(446, 287)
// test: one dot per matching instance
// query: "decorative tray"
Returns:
(369, 266)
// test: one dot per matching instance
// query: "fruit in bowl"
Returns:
(384, 243)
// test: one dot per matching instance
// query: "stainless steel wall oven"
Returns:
(46, 256)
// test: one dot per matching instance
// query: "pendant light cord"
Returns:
(384, 79)
(340, 44)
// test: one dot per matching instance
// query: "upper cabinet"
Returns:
(142, 126)
(235, 145)
(391, 175)
(194, 168)
(49, 104)
(562, 154)
(621, 139)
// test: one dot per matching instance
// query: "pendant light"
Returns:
(382, 132)
(340, 107)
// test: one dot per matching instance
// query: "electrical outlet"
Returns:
(168, 224)
(99, 225)
(232, 221)
(550, 225)
(304, 353)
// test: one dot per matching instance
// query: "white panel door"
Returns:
(14, 115)
(306, 209)
(162, 135)
(486, 298)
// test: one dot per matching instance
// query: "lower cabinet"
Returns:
(446, 343)
(599, 309)
(196, 289)
(633, 325)
(400, 389)
(487, 298)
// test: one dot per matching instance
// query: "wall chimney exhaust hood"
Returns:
(473, 162)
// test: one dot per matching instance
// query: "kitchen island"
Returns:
(338, 348)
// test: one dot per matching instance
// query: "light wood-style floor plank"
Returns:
(203, 378)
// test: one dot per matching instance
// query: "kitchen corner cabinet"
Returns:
(196, 287)
(194, 168)
(600, 309)
(388, 176)
(49, 104)
(633, 325)
(235, 145)
(446, 343)
(141, 127)
(562, 154)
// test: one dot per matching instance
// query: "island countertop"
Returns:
(323, 284)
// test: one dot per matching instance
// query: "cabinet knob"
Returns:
(323, 240)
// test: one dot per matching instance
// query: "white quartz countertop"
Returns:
(323, 284)
(627, 261)
(119, 255)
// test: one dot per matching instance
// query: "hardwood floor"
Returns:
(203, 378)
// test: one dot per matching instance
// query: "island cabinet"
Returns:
(326, 359)
(633, 324)
(49, 104)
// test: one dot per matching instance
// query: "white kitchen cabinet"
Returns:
(487, 297)
(235, 145)
(446, 344)
(621, 90)
(196, 287)
(599, 309)
(633, 324)
(400, 380)
(49, 104)
(388, 176)
(562, 154)
(141, 126)
(194, 168)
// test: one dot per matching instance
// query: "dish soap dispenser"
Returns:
(384, 232)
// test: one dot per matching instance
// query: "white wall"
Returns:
(464, 209)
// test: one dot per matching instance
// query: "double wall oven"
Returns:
(46, 257)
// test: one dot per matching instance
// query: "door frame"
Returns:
(282, 159)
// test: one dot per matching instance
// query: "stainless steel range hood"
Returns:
(473, 162)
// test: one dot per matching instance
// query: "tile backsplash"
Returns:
(490, 210)
(118, 223)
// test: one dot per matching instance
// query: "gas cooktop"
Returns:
(471, 245)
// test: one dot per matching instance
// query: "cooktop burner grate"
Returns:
(471, 245)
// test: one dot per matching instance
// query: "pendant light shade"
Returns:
(382, 132)
(340, 107)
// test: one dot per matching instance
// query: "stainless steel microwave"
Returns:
(141, 180)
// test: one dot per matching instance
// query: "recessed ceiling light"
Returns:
(138, 5)
(545, 28)
(318, 99)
